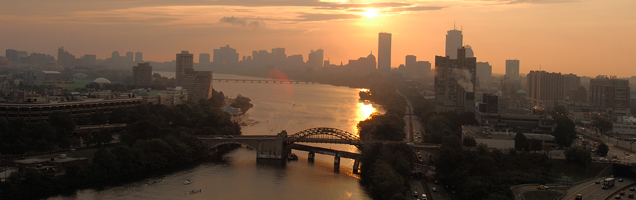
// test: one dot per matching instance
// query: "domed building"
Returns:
(101, 81)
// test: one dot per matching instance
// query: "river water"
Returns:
(277, 107)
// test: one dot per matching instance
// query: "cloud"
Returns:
(418, 8)
(242, 21)
(325, 17)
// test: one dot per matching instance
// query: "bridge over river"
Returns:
(278, 147)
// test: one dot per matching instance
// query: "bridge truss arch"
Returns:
(325, 135)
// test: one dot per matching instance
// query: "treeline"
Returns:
(18, 137)
(485, 174)
(385, 168)
(389, 126)
(157, 137)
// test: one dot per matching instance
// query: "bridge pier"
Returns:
(311, 156)
(336, 163)
(356, 167)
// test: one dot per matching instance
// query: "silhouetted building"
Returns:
(512, 69)
(65, 59)
(545, 89)
(129, 57)
(384, 52)
(454, 41)
(455, 82)
(142, 74)
(225, 56)
(484, 73)
(611, 95)
(184, 63)
(115, 55)
(363, 65)
(139, 57)
(197, 83)
(204, 58)
(316, 59)
(469, 51)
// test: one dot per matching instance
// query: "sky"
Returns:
(584, 37)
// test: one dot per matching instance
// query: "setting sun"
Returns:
(370, 12)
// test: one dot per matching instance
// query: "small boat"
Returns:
(187, 182)
(292, 156)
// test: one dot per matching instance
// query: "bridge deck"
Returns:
(342, 154)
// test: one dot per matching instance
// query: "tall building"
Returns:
(469, 51)
(512, 69)
(114, 55)
(139, 57)
(316, 59)
(454, 41)
(455, 82)
(384, 52)
(65, 59)
(197, 83)
(363, 65)
(129, 57)
(225, 56)
(185, 62)
(204, 58)
(545, 89)
(89, 60)
(484, 73)
(611, 95)
(142, 74)
(410, 61)
(12, 55)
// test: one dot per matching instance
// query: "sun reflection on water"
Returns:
(363, 111)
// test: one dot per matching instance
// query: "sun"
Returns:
(370, 12)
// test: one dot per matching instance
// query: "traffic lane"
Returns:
(416, 186)
(591, 190)
(441, 194)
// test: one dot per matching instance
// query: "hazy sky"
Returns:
(585, 37)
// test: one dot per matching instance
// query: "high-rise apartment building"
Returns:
(225, 56)
(204, 58)
(455, 82)
(142, 74)
(139, 57)
(512, 69)
(197, 83)
(454, 41)
(316, 59)
(545, 89)
(384, 52)
(611, 95)
(185, 62)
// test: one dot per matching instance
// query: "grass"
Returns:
(540, 195)
(77, 84)
(575, 171)
(82, 153)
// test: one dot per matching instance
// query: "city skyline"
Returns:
(544, 35)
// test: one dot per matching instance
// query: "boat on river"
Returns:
(187, 182)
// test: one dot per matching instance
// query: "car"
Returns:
(622, 193)
(632, 189)
(597, 182)
(542, 187)
(631, 196)
(230, 136)
(424, 197)
(578, 197)
(604, 187)
(617, 197)
(620, 180)
(434, 189)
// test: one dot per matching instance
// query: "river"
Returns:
(277, 107)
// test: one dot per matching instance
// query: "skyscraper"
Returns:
(185, 62)
(129, 57)
(455, 82)
(139, 57)
(142, 74)
(225, 56)
(204, 58)
(384, 52)
(316, 59)
(469, 51)
(484, 73)
(512, 69)
(611, 95)
(454, 41)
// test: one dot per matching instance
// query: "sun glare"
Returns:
(370, 12)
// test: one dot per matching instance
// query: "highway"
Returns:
(592, 191)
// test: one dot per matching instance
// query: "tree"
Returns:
(603, 149)
(469, 142)
(243, 103)
(578, 155)
(99, 118)
(565, 131)
(521, 142)
(603, 125)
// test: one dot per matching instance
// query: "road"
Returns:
(592, 191)
(616, 147)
